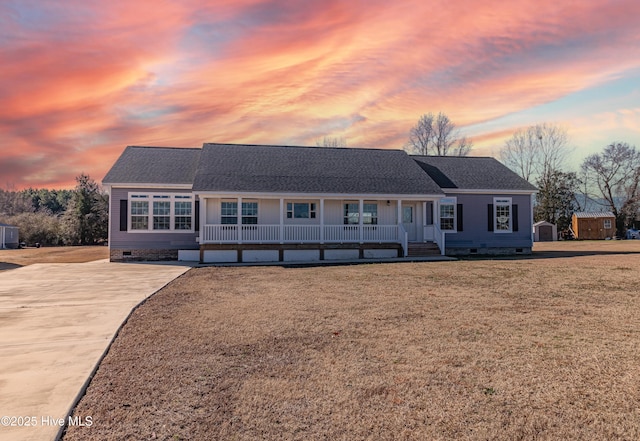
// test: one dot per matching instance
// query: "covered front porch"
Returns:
(309, 221)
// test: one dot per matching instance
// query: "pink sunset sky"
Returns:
(80, 80)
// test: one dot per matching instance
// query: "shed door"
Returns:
(546, 233)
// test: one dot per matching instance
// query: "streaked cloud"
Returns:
(81, 80)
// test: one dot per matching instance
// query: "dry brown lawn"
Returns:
(540, 348)
(28, 256)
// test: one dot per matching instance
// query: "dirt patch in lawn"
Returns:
(28, 256)
(473, 349)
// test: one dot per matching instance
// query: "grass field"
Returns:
(539, 348)
(10, 259)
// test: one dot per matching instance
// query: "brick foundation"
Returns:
(142, 255)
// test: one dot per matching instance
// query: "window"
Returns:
(607, 224)
(229, 213)
(168, 212)
(182, 220)
(139, 214)
(370, 214)
(407, 215)
(502, 215)
(447, 215)
(352, 213)
(249, 213)
(301, 210)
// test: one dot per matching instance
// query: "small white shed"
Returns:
(544, 231)
(8, 236)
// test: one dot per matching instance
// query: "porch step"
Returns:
(419, 249)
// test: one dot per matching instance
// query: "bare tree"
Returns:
(536, 151)
(329, 141)
(437, 135)
(614, 178)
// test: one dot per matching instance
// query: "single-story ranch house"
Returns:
(255, 203)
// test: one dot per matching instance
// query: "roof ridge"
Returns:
(301, 146)
(163, 147)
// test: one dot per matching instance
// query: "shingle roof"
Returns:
(154, 165)
(471, 173)
(283, 169)
(593, 214)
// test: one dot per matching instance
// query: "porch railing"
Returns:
(300, 233)
(439, 238)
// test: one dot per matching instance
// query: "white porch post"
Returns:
(360, 223)
(399, 211)
(203, 219)
(239, 220)
(424, 219)
(321, 220)
(281, 220)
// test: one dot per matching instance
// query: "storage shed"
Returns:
(8, 236)
(544, 231)
(593, 225)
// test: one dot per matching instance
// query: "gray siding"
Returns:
(148, 240)
(10, 237)
(475, 232)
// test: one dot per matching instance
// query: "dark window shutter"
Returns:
(124, 214)
(514, 217)
(196, 213)
(459, 214)
(490, 217)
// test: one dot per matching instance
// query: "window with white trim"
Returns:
(607, 224)
(249, 213)
(301, 210)
(183, 213)
(139, 212)
(502, 215)
(229, 213)
(160, 212)
(352, 213)
(448, 214)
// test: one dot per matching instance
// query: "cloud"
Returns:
(81, 80)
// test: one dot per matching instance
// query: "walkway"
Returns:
(56, 321)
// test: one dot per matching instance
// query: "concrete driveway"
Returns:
(56, 321)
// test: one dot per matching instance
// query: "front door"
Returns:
(409, 221)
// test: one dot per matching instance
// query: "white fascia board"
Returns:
(488, 191)
(154, 186)
(339, 196)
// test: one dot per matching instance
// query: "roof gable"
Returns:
(284, 169)
(154, 165)
(472, 173)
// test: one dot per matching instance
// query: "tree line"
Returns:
(606, 181)
(58, 217)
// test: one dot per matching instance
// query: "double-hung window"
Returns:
(160, 212)
(249, 213)
(229, 213)
(352, 213)
(503, 221)
(183, 212)
(139, 212)
(448, 214)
